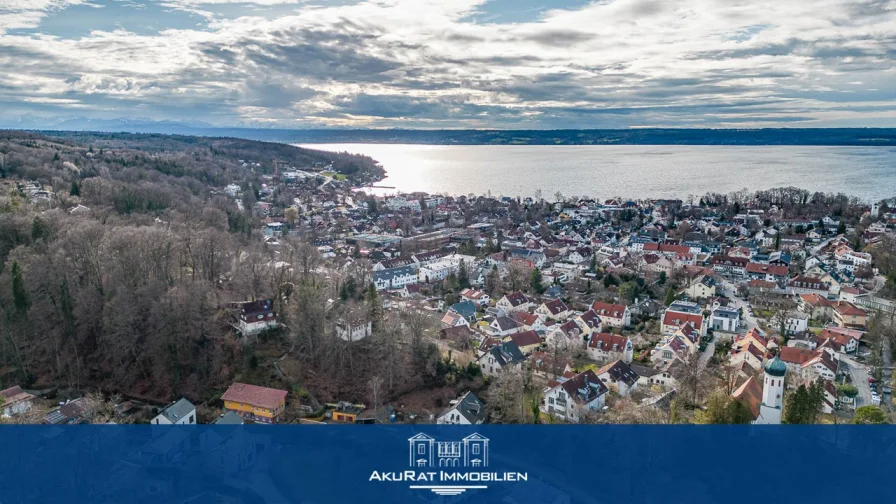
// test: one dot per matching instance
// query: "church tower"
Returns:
(772, 392)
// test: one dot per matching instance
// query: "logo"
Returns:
(448, 467)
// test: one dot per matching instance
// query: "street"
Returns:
(859, 377)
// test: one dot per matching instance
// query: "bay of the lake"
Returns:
(632, 171)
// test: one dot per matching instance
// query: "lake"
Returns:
(632, 171)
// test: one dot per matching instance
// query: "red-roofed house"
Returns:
(554, 309)
(527, 341)
(849, 315)
(613, 315)
(767, 272)
(604, 347)
(673, 320)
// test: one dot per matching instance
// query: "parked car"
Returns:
(871, 379)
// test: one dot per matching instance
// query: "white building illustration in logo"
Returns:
(471, 451)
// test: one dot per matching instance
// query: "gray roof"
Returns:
(389, 274)
(178, 410)
(470, 407)
(507, 353)
(229, 418)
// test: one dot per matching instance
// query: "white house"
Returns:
(15, 401)
(603, 347)
(514, 302)
(476, 296)
(796, 323)
(394, 278)
(618, 376)
(256, 316)
(614, 315)
(570, 398)
(181, 412)
(724, 319)
(465, 410)
(353, 332)
(554, 309)
(501, 357)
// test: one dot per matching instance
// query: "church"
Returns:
(765, 400)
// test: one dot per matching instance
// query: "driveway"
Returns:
(859, 376)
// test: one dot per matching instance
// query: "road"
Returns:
(749, 321)
(859, 376)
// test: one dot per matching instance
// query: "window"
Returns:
(475, 449)
(192, 419)
(421, 449)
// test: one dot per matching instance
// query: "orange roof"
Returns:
(751, 395)
(253, 395)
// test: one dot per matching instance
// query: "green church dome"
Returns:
(776, 367)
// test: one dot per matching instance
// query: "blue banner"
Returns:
(507, 464)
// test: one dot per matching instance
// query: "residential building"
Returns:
(553, 310)
(603, 347)
(259, 404)
(256, 316)
(181, 412)
(724, 319)
(514, 302)
(395, 278)
(618, 376)
(572, 395)
(702, 287)
(15, 401)
(849, 315)
(475, 296)
(465, 410)
(353, 331)
(796, 323)
(613, 315)
(527, 341)
(501, 357)
(679, 313)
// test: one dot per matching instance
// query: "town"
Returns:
(342, 304)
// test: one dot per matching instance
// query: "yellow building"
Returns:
(259, 404)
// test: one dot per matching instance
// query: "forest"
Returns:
(135, 295)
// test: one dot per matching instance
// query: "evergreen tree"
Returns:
(670, 296)
(20, 297)
(662, 280)
(592, 267)
(75, 190)
(841, 228)
(374, 307)
(804, 405)
(463, 276)
(535, 281)
(38, 229)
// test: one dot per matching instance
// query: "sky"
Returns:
(452, 63)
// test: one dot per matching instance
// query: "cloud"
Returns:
(431, 63)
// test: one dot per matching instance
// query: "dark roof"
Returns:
(584, 387)
(470, 407)
(619, 372)
(506, 323)
(507, 353)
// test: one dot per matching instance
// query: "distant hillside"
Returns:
(191, 151)
(651, 136)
